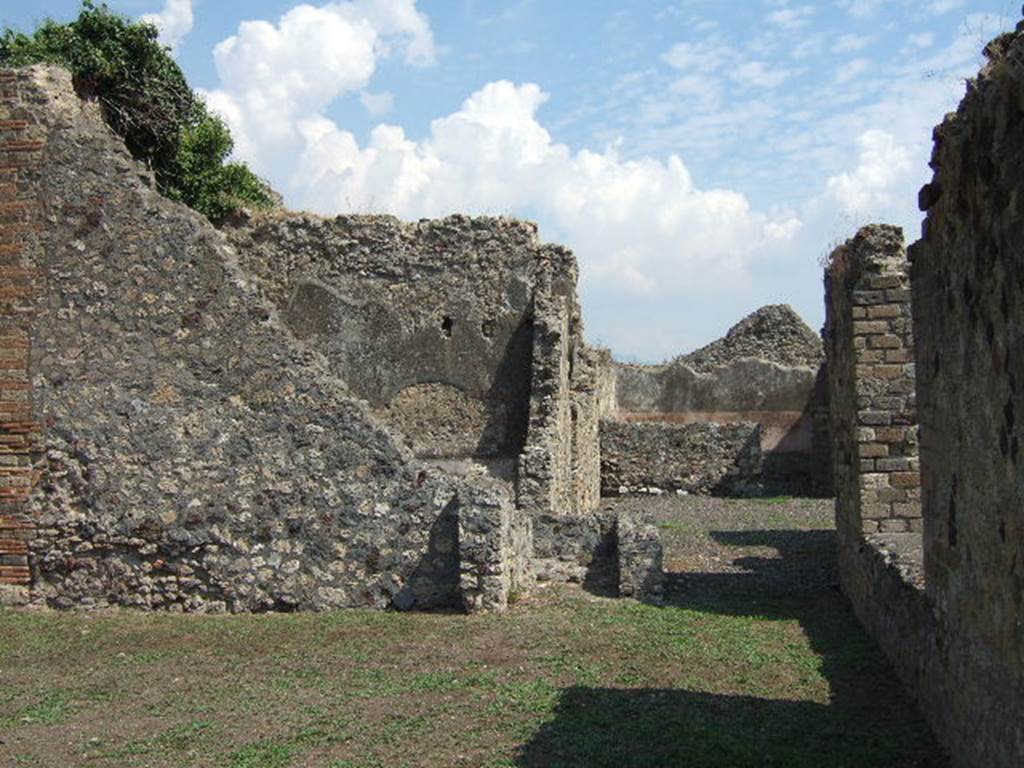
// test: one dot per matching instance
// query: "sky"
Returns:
(700, 157)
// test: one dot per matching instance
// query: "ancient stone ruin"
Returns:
(291, 413)
(303, 413)
(925, 354)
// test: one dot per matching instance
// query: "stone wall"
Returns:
(968, 284)
(654, 457)
(612, 551)
(294, 413)
(871, 376)
(953, 631)
(746, 415)
(197, 455)
(559, 469)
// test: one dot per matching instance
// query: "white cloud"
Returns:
(377, 104)
(705, 92)
(791, 18)
(882, 165)
(851, 70)
(811, 45)
(945, 6)
(860, 8)
(703, 57)
(275, 77)
(849, 43)
(174, 22)
(760, 75)
(922, 40)
(641, 226)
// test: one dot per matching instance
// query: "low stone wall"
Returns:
(617, 552)
(956, 678)
(704, 457)
(495, 549)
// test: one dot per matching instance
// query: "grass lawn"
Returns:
(755, 660)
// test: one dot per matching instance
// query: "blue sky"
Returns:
(700, 156)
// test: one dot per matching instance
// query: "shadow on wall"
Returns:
(511, 387)
(867, 723)
(434, 584)
(799, 464)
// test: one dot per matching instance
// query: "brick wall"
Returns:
(869, 343)
(20, 436)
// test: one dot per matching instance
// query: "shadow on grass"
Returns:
(868, 723)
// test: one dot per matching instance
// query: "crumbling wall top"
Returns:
(775, 333)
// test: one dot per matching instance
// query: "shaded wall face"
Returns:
(431, 323)
(957, 642)
(559, 469)
(968, 278)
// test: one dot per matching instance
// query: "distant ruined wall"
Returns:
(746, 415)
(953, 631)
(703, 457)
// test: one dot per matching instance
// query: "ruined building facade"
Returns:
(746, 415)
(299, 413)
(289, 413)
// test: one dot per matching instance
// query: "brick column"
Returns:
(20, 435)
(869, 343)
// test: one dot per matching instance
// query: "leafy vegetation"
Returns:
(148, 102)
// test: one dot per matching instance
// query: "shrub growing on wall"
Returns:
(148, 102)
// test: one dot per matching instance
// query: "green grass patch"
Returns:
(736, 669)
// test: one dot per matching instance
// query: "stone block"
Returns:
(640, 557)
(870, 327)
(905, 479)
(893, 525)
(901, 464)
(874, 451)
(874, 419)
(885, 341)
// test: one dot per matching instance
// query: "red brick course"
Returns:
(20, 433)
